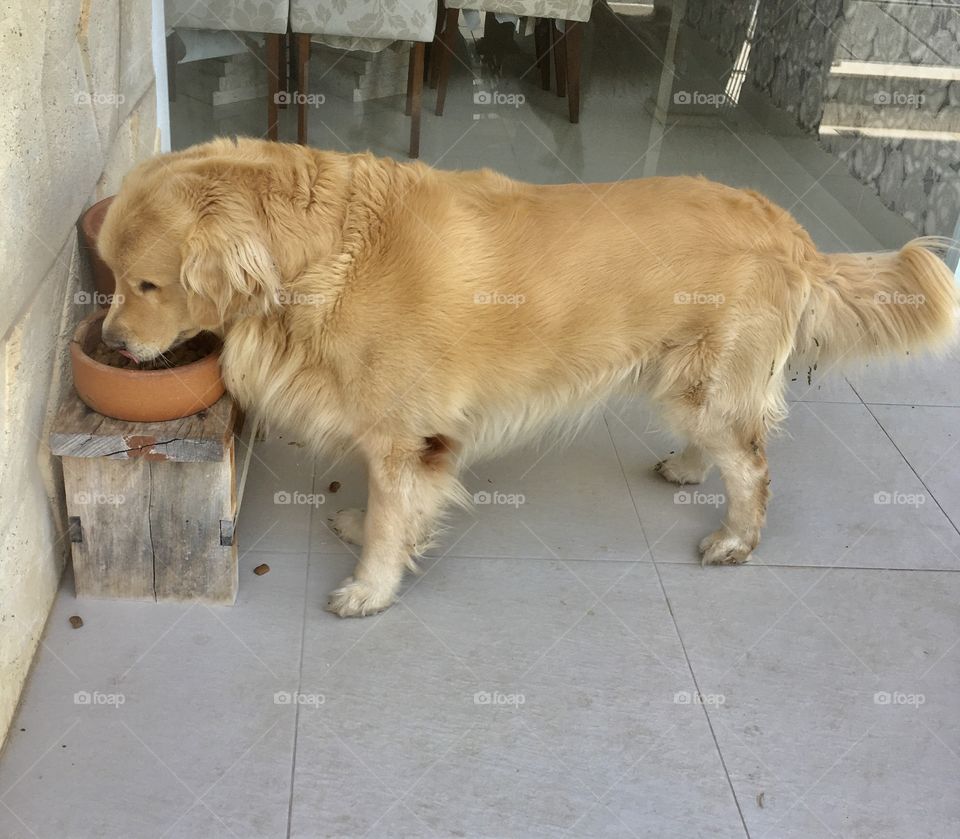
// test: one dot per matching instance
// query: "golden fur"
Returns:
(428, 317)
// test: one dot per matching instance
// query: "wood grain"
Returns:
(80, 432)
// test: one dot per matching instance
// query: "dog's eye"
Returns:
(147, 286)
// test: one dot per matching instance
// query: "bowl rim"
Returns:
(81, 331)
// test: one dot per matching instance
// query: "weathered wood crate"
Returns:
(151, 506)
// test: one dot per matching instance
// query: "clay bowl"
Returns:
(142, 395)
(90, 223)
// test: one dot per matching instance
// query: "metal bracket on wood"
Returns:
(256, 425)
(226, 532)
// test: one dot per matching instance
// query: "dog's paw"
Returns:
(357, 599)
(723, 548)
(348, 525)
(676, 470)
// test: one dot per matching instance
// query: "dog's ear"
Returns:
(231, 270)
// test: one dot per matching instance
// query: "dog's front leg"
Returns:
(408, 485)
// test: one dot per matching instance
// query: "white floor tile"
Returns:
(838, 692)
(181, 708)
(928, 439)
(278, 497)
(563, 500)
(565, 651)
(914, 381)
(842, 496)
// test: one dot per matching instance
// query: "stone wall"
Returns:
(794, 46)
(79, 98)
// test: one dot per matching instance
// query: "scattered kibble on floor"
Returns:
(76, 621)
(260, 570)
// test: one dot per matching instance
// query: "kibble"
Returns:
(260, 570)
(76, 621)
(334, 486)
(198, 347)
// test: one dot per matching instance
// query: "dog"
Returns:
(427, 317)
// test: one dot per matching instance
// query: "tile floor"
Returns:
(563, 666)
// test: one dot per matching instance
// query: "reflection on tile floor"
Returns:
(562, 664)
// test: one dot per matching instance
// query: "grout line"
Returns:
(613, 560)
(303, 636)
(676, 629)
(703, 705)
(626, 483)
(824, 401)
(910, 466)
(907, 404)
(838, 567)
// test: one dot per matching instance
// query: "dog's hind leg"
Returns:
(690, 466)
(409, 483)
(348, 525)
(743, 465)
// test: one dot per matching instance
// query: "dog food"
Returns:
(200, 346)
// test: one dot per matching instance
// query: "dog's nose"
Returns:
(112, 340)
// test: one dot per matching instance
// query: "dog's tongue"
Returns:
(130, 355)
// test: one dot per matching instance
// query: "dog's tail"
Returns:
(864, 304)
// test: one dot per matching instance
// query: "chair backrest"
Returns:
(236, 15)
(395, 20)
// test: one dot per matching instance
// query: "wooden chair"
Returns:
(270, 17)
(563, 44)
(390, 20)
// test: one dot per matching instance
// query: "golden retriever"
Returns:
(427, 317)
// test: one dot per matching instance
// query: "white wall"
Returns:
(79, 108)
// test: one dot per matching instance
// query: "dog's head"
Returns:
(188, 250)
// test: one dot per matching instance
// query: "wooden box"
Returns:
(151, 506)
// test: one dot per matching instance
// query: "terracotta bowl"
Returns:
(141, 395)
(90, 223)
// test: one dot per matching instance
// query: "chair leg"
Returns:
(282, 86)
(408, 106)
(414, 95)
(541, 39)
(574, 39)
(436, 48)
(558, 44)
(447, 43)
(273, 85)
(303, 64)
(291, 66)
